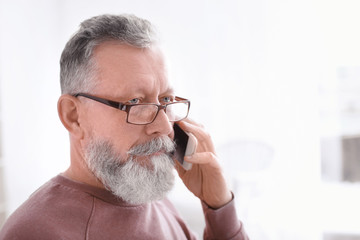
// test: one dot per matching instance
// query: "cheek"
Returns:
(114, 129)
(105, 119)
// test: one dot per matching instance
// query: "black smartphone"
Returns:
(185, 146)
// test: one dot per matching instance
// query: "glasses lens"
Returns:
(142, 114)
(177, 111)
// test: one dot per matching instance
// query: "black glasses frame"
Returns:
(126, 107)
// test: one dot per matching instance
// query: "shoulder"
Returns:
(52, 209)
(167, 206)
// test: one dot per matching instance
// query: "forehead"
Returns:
(123, 70)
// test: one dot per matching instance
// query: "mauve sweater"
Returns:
(65, 209)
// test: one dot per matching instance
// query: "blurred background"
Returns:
(275, 82)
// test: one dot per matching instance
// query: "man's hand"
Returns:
(205, 179)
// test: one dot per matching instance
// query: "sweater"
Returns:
(69, 210)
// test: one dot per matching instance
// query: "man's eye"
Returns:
(167, 99)
(134, 101)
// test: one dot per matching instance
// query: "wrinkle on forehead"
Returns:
(122, 69)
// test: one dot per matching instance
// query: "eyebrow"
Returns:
(124, 96)
(169, 90)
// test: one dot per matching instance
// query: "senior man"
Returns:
(119, 109)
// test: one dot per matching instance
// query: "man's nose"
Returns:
(160, 126)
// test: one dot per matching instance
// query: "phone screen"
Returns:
(181, 140)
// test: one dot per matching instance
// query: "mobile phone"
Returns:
(185, 146)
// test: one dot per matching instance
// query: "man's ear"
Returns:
(68, 110)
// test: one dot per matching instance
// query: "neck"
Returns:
(78, 170)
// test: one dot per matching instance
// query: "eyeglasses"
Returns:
(146, 113)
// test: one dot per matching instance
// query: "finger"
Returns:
(198, 131)
(191, 121)
(204, 140)
(182, 123)
(203, 158)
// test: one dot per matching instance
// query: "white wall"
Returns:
(34, 143)
(251, 69)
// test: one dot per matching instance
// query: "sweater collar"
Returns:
(97, 192)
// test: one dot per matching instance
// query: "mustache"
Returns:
(165, 144)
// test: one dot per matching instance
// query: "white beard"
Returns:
(128, 179)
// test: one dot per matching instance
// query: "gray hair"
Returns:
(77, 67)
